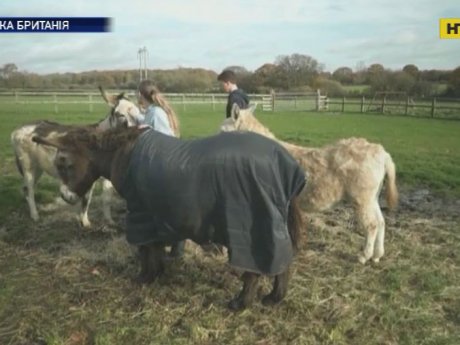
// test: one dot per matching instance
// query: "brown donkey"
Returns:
(237, 190)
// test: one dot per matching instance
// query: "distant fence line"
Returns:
(435, 107)
(280, 101)
(268, 102)
(92, 98)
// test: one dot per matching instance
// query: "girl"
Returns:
(157, 112)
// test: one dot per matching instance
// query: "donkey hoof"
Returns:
(376, 260)
(145, 279)
(110, 222)
(85, 224)
(270, 300)
(236, 304)
(362, 259)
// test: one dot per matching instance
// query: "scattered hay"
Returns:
(60, 284)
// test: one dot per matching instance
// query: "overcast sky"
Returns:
(213, 34)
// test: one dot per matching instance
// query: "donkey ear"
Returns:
(133, 110)
(110, 100)
(252, 108)
(235, 113)
(54, 142)
(63, 142)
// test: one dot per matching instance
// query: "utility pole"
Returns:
(142, 55)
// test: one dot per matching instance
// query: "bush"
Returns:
(330, 87)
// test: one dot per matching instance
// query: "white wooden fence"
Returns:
(91, 98)
(268, 102)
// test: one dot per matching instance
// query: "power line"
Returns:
(142, 55)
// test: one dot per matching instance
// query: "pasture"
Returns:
(60, 284)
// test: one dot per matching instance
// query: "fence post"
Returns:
(406, 108)
(272, 92)
(16, 97)
(362, 104)
(343, 104)
(90, 101)
(433, 106)
(318, 99)
(383, 104)
(56, 109)
(183, 102)
(213, 102)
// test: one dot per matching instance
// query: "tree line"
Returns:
(291, 73)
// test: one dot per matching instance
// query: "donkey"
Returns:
(32, 160)
(237, 190)
(352, 169)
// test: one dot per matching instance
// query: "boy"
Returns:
(235, 95)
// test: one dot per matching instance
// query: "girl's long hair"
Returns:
(150, 92)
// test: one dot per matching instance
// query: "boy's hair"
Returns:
(227, 76)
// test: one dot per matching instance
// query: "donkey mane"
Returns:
(109, 140)
(44, 128)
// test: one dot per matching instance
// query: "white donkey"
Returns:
(352, 169)
(32, 159)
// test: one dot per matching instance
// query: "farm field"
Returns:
(60, 284)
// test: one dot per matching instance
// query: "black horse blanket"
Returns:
(232, 188)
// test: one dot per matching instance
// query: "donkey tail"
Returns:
(16, 142)
(295, 223)
(391, 194)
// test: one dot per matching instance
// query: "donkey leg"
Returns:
(85, 201)
(30, 173)
(152, 262)
(107, 192)
(177, 249)
(212, 249)
(369, 222)
(30, 178)
(247, 294)
(144, 254)
(279, 290)
(379, 241)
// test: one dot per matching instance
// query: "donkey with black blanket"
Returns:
(234, 189)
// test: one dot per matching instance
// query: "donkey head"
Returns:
(123, 112)
(74, 158)
(238, 118)
(85, 153)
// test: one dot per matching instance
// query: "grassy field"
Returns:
(60, 284)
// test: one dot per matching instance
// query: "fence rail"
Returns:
(91, 98)
(435, 107)
(314, 101)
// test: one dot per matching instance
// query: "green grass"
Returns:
(425, 150)
(60, 284)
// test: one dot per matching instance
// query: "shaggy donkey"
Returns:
(32, 159)
(352, 169)
(234, 189)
